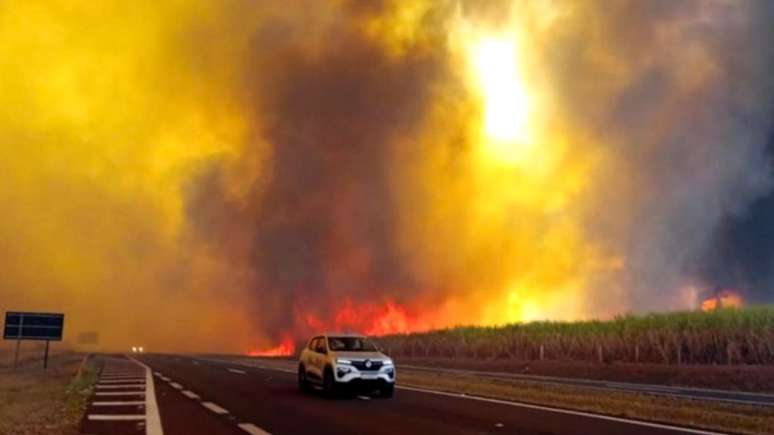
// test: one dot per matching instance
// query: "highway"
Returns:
(705, 394)
(208, 396)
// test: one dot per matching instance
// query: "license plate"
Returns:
(370, 377)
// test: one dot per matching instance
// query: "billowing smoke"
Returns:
(268, 170)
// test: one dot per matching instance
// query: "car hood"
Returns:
(361, 355)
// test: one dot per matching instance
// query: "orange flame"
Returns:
(724, 299)
(369, 319)
(376, 319)
(286, 348)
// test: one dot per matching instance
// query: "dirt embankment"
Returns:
(38, 402)
(727, 377)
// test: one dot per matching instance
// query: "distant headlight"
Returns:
(388, 362)
(343, 361)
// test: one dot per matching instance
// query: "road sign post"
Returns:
(45, 357)
(33, 326)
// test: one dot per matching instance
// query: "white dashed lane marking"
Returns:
(214, 408)
(237, 371)
(252, 429)
(190, 394)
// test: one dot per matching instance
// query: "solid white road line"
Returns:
(214, 408)
(107, 417)
(239, 372)
(565, 411)
(119, 393)
(176, 386)
(120, 403)
(190, 394)
(153, 420)
(252, 429)
(119, 386)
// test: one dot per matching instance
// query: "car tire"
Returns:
(329, 383)
(387, 391)
(303, 383)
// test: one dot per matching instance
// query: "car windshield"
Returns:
(351, 344)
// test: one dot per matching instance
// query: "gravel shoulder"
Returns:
(50, 402)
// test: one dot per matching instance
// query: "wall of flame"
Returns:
(234, 175)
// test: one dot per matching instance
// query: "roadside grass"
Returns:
(731, 418)
(51, 402)
(720, 337)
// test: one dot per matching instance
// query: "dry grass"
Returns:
(730, 418)
(38, 402)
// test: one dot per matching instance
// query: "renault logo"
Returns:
(368, 364)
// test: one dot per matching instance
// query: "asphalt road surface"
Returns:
(655, 390)
(199, 396)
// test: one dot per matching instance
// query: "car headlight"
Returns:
(387, 363)
(343, 361)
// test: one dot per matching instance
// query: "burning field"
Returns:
(233, 175)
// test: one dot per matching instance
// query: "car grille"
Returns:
(361, 365)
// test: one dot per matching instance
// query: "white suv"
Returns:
(338, 360)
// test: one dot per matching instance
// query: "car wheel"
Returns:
(329, 384)
(387, 390)
(303, 383)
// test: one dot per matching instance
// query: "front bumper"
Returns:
(346, 374)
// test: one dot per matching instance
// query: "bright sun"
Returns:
(504, 97)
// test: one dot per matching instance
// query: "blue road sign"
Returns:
(33, 326)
